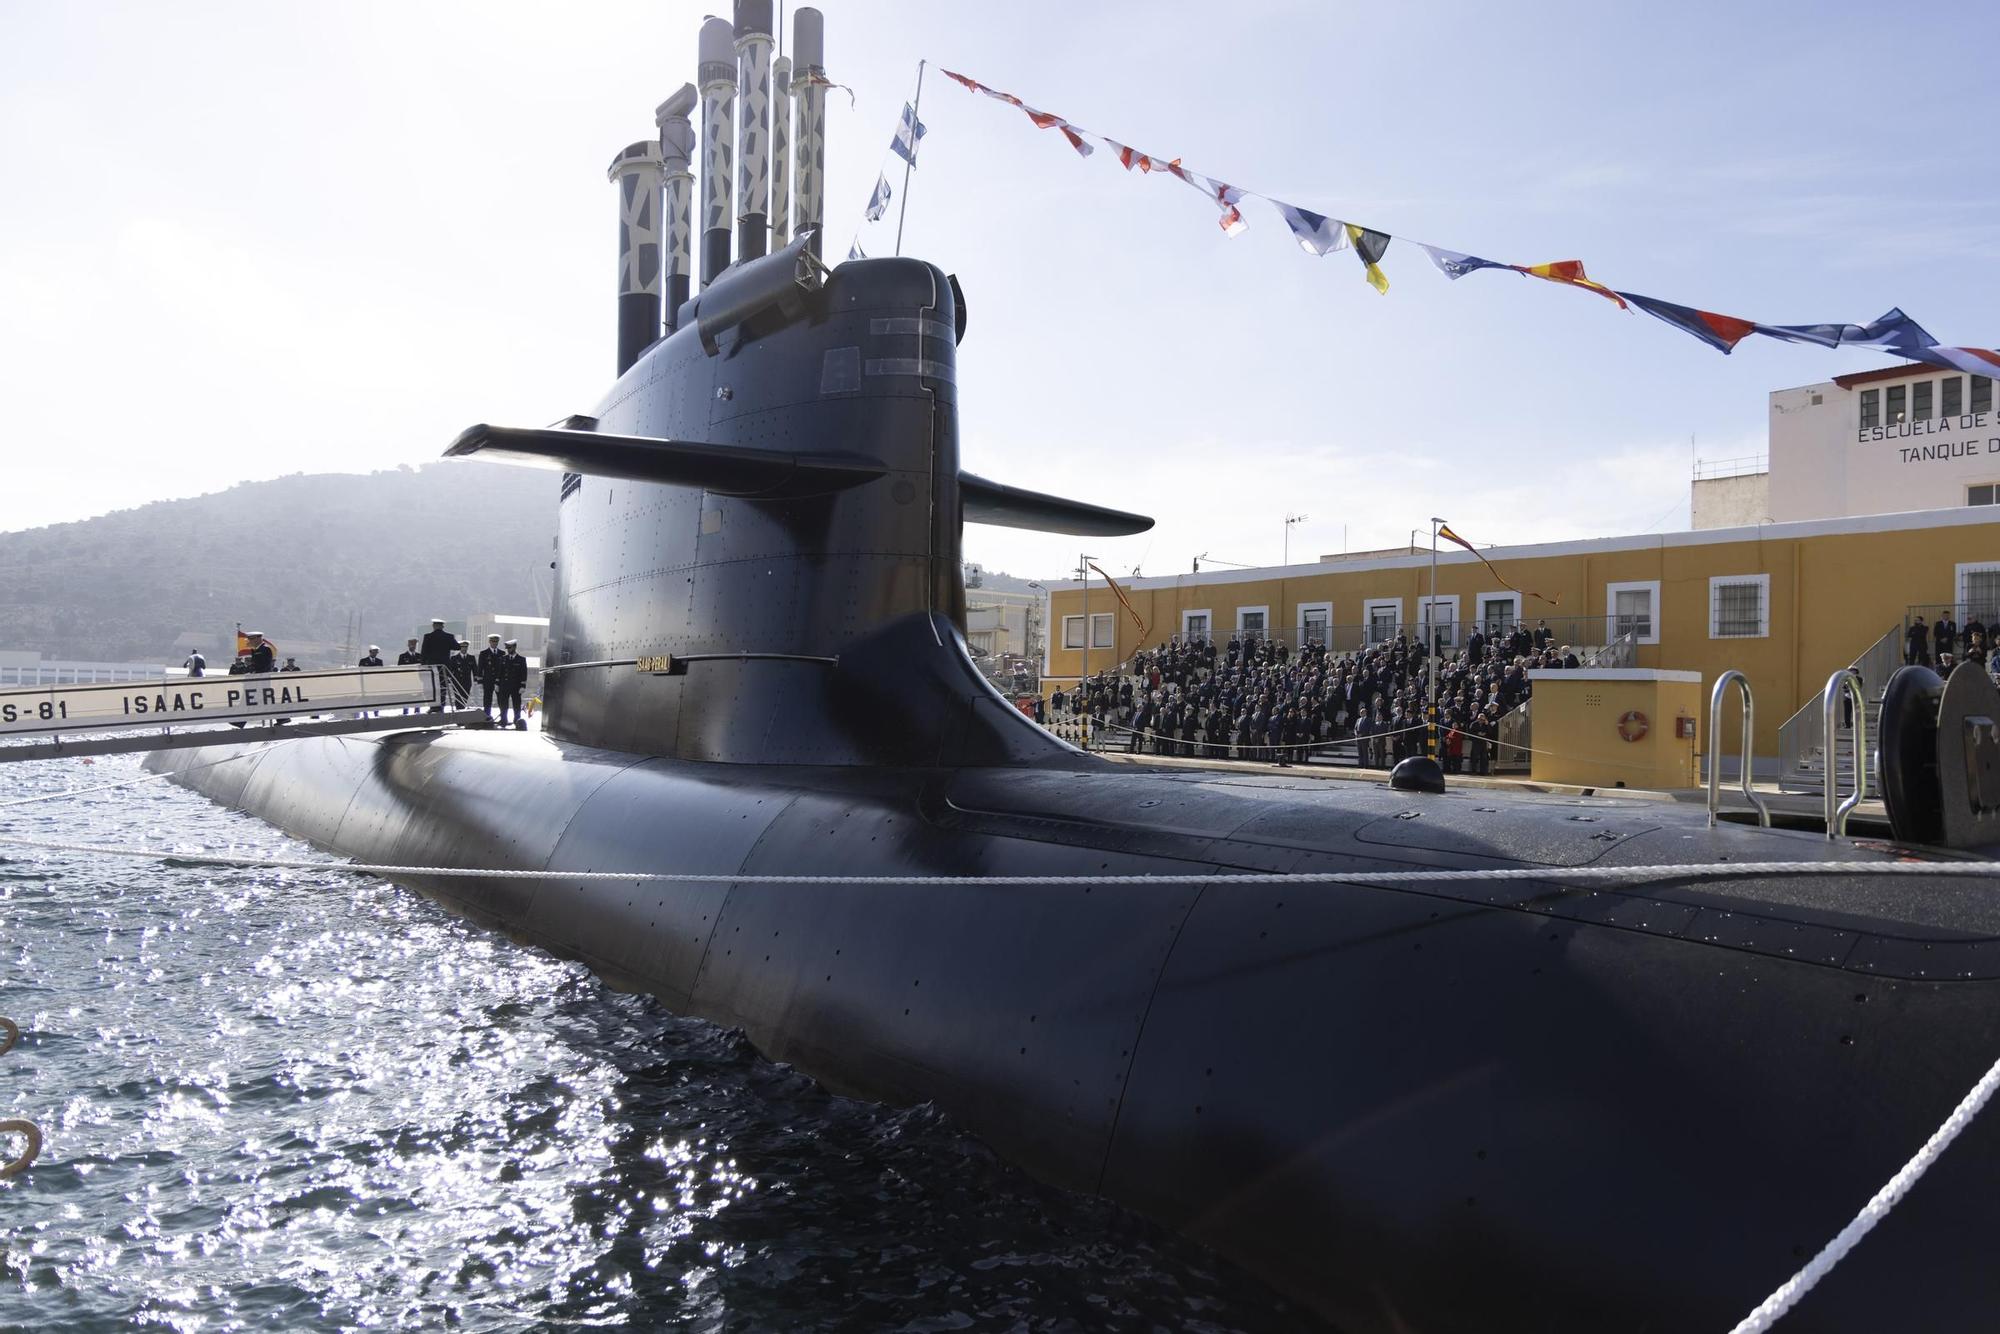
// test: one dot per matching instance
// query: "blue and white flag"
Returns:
(1455, 264)
(878, 203)
(854, 250)
(1317, 234)
(1893, 332)
(908, 132)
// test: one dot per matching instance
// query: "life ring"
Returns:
(28, 1130)
(1632, 725)
(10, 1033)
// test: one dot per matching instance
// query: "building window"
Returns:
(1920, 401)
(1952, 396)
(1252, 622)
(1979, 592)
(1194, 625)
(1633, 608)
(1315, 623)
(1383, 617)
(1499, 613)
(1983, 494)
(1441, 615)
(1100, 630)
(1739, 606)
(1898, 396)
(1871, 408)
(1982, 394)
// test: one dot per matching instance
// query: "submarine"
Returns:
(1413, 1103)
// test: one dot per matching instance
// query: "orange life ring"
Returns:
(1632, 725)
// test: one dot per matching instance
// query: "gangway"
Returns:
(189, 711)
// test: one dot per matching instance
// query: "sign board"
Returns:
(211, 699)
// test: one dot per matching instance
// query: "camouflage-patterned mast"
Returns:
(781, 152)
(677, 158)
(717, 77)
(809, 85)
(638, 174)
(753, 128)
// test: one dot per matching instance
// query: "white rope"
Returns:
(1559, 874)
(1799, 1284)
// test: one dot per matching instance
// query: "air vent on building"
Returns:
(1818, 399)
(571, 481)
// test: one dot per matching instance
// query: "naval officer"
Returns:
(436, 653)
(373, 657)
(492, 669)
(515, 668)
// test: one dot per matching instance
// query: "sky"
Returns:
(239, 241)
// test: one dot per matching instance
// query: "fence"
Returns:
(1575, 632)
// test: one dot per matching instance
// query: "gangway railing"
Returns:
(1715, 698)
(51, 721)
(1804, 755)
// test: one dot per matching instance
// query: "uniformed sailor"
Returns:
(195, 664)
(374, 656)
(460, 666)
(291, 665)
(262, 656)
(438, 647)
(409, 657)
(492, 671)
(516, 668)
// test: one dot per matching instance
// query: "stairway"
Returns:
(1807, 774)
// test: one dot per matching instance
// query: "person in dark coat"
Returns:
(291, 665)
(263, 658)
(373, 658)
(1944, 635)
(492, 673)
(1917, 644)
(409, 657)
(460, 667)
(439, 644)
(516, 668)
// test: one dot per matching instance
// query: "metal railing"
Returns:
(1577, 633)
(1517, 736)
(1747, 465)
(1715, 698)
(1844, 686)
(1963, 614)
(1803, 755)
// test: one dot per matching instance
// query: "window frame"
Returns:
(1763, 582)
(1369, 606)
(1871, 409)
(1110, 642)
(1299, 614)
(1208, 617)
(1962, 603)
(1611, 592)
(1479, 602)
(1923, 400)
(1896, 393)
(1951, 396)
(1425, 605)
(1977, 401)
(1992, 493)
(1264, 631)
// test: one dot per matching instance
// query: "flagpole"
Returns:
(916, 110)
(1430, 629)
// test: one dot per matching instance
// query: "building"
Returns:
(1785, 603)
(1001, 624)
(1889, 441)
(531, 631)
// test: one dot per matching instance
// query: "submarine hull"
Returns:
(1494, 1105)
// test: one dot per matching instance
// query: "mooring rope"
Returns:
(1885, 1199)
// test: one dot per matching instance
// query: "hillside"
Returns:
(300, 558)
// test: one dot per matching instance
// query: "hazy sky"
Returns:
(244, 240)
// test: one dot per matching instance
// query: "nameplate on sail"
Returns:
(190, 700)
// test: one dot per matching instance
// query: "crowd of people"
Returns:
(1258, 699)
(1944, 643)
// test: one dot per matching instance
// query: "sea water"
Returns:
(279, 1100)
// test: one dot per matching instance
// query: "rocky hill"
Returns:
(320, 563)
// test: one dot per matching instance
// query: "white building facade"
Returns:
(1881, 442)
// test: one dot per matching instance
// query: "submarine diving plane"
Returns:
(1632, 1102)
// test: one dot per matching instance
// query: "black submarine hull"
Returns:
(1484, 1105)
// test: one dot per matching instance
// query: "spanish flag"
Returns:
(1444, 531)
(1123, 601)
(1570, 271)
(1370, 246)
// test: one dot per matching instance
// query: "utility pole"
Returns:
(1083, 573)
(1291, 519)
(1430, 621)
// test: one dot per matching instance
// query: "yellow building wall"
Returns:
(1831, 597)
(1578, 741)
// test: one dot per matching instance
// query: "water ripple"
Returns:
(279, 1100)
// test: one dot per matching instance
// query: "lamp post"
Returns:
(1430, 632)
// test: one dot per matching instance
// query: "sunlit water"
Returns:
(285, 1100)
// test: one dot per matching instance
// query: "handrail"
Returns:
(1797, 735)
(1722, 684)
(1846, 682)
